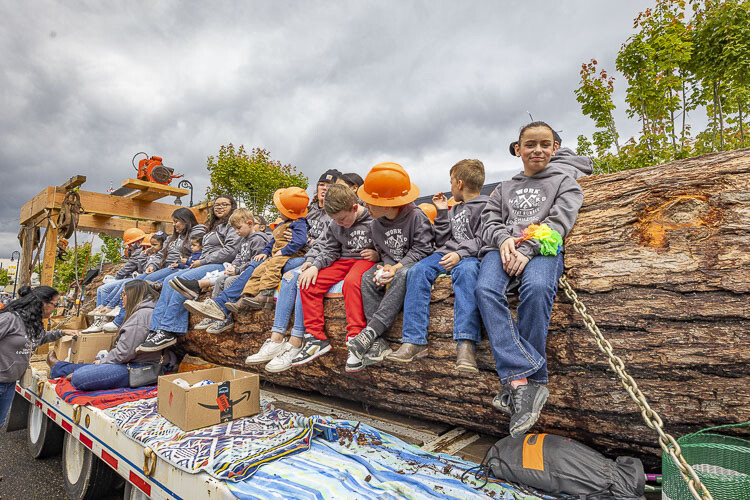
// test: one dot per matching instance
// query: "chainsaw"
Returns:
(152, 169)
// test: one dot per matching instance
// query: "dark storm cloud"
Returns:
(319, 84)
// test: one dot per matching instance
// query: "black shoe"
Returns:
(361, 343)
(527, 402)
(377, 353)
(157, 341)
(155, 285)
(502, 401)
(312, 349)
(190, 289)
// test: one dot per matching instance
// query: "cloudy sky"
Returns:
(319, 84)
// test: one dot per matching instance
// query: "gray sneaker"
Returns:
(527, 402)
(377, 353)
(312, 349)
(361, 343)
(502, 401)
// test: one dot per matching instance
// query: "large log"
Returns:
(661, 258)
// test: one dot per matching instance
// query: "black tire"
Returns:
(86, 477)
(43, 436)
(18, 416)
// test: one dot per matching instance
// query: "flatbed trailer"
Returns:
(95, 452)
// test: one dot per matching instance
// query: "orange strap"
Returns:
(533, 452)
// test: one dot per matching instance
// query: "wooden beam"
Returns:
(35, 206)
(73, 182)
(115, 227)
(116, 206)
(50, 252)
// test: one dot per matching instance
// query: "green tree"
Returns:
(251, 178)
(65, 268)
(111, 248)
(4, 278)
(595, 96)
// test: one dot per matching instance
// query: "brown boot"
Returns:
(246, 303)
(51, 359)
(465, 357)
(408, 353)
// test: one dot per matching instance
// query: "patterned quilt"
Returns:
(232, 451)
(364, 463)
(101, 399)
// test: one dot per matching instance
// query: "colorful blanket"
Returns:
(232, 451)
(367, 464)
(101, 399)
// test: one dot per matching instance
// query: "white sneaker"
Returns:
(283, 361)
(205, 323)
(110, 327)
(112, 313)
(95, 311)
(267, 352)
(96, 326)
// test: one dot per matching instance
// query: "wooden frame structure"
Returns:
(102, 213)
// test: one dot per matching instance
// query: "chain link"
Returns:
(652, 419)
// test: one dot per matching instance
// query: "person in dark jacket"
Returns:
(112, 372)
(21, 332)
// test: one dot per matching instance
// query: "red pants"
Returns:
(349, 270)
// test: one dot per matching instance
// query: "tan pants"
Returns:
(266, 276)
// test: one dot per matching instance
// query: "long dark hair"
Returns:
(28, 307)
(188, 218)
(214, 221)
(136, 292)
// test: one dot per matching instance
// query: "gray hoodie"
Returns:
(550, 197)
(407, 239)
(568, 161)
(220, 245)
(317, 220)
(338, 242)
(249, 248)
(458, 229)
(133, 333)
(16, 348)
(135, 264)
(173, 250)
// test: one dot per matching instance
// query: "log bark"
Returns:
(661, 258)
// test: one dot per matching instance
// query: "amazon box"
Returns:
(232, 395)
(85, 348)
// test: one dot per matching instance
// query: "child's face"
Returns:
(244, 230)
(155, 245)
(258, 227)
(322, 188)
(456, 189)
(536, 147)
(346, 218)
(377, 212)
(195, 246)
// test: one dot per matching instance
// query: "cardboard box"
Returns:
(234, 394)
(85, 348)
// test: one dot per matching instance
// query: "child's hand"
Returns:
(440, 201)
(260, 257)
(173, 265)
(516, 264)
(450, 260)
(507, 249)
(308, 277)
(183, 260)
(278, 253)
(386, 276)
(370, 254)
(288, 234)
(305, 266)
(149, 270)
(196, 263)
(230, 271)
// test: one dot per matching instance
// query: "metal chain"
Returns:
(652, 419)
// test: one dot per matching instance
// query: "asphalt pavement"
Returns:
(24, 477)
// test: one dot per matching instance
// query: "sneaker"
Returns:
(283, 360)
(267, 352)
(244, 304)
(110, 327)
(312, 349)
(112, 313)
(408, 353)
(97, 311)
(361, 343)
(207, 308)
(220, 326)
(156, 341)
(502, 401)
(190, 289)
(377, 353)
(527, 402)
(96, 326)
(353, 363)
(205, 322)
(155, 285)
(466, 360)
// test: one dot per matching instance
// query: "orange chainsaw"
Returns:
(152, 169)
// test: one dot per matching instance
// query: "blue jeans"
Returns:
(159, 276)
(289, 300)
(91, 377)
(466, 321)
(104, 291)
(169, 314)
(7, 390)
(519, 347)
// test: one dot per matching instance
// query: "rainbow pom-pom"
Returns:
(550, 240)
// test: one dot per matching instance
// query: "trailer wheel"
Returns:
(44, 437)
(86, 476)
(133, 493)
(18, 418)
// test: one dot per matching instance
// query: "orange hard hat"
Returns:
(452, 202)
(146, 240)
(291, 201)
(388, 185)
(132, 235)
(430, 211)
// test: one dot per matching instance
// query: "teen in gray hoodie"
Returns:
(542, 194)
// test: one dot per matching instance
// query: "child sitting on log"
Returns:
(458, 238)
(343, 252)
(523, 226)
(403, 235)
(292, 204)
